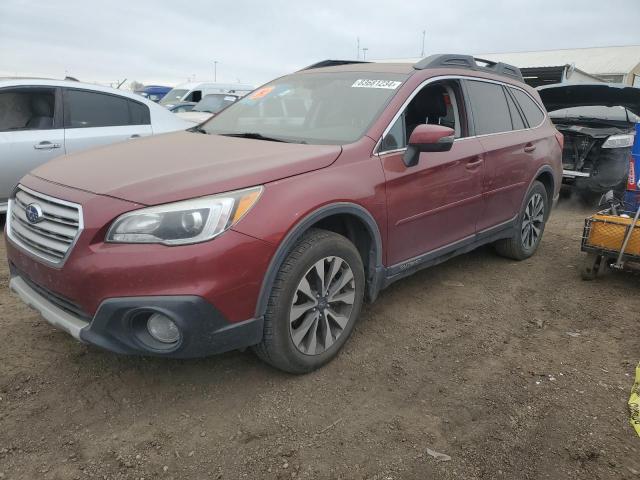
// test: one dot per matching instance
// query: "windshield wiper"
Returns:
(197, 129)
(256, 136)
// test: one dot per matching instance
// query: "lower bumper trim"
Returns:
(119, 325)
(51, 313)
(574, 174)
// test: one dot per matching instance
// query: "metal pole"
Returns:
(358, 56)
(215, 70)
(619, 263)
(364, 53)
(424, 33)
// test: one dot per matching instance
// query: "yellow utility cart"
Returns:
(611, 241)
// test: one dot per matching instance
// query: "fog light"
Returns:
(162, 328)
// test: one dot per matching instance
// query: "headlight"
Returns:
(189, 221)
(619, 141)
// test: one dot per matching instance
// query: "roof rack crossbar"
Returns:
(448, 60)
(332, 63)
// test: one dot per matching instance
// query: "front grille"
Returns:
(576, 151)
(53, 236)
(58, 300)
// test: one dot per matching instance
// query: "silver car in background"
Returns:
(42, 119)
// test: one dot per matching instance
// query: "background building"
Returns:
(609, 64)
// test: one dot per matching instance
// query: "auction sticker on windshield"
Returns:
(365, 83)
(263, 92)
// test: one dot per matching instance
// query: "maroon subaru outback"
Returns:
(270, 224)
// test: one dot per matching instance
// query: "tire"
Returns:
(592, 266)
(307, 322)
(521, 246)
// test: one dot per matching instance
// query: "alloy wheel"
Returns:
(533, 221)
(321, 306)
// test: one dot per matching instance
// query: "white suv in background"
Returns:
(42, 119)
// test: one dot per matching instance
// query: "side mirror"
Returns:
(428, 138)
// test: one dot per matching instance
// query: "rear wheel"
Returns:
(530, 226)
(314, 304)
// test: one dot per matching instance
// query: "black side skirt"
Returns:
(442, 254)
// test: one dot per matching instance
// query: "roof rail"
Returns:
(331, 63)
(448, 60)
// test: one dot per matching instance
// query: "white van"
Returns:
(195, 91)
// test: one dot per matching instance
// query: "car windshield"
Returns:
(174, 96)
(315, 108)
(214, 103)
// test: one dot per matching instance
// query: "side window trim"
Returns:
(467, 106)
(469, 113)
(523, 119)
(58, 110)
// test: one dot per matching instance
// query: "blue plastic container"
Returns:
(636, 145)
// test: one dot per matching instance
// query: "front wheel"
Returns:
(529, 226)
(314, 304)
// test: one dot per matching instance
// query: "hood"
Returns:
(177, 166)
(567, 95)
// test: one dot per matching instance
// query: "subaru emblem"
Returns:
(33, 213)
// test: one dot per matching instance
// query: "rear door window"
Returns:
(85, 109)
(531, 110)
(489, 107)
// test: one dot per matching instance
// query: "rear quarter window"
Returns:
(139, 113)
(531, 110)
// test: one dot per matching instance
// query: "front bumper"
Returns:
(119, 324)
(574, 174)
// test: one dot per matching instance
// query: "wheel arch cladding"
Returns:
(545, 176)
(347, 219)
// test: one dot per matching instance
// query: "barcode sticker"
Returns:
(366, 83)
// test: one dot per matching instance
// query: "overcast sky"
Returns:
(167, 41)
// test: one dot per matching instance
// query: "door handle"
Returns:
(46, 146)
(529, 147)
(476, 162)
(135, 135)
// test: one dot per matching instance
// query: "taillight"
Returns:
(560, 139)
(632, 176)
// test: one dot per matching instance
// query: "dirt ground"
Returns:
(514, 370)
